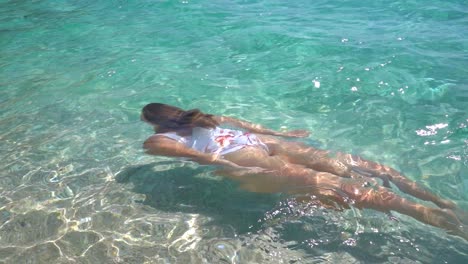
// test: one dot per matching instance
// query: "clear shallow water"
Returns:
(76, 187)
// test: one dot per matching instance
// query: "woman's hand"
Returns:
(258, 129)
(215, 159)
(244, 171)
(233, 168)
(296, 133)
(253, 170)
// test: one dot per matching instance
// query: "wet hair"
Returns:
(171, 117)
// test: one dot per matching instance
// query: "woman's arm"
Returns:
(164, 146)
(256, 128)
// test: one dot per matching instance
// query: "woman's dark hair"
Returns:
(171, 117)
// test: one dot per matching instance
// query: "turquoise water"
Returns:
(385, 80)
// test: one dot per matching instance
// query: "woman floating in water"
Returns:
(262, 162)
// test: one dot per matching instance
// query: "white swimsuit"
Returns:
(219, 141)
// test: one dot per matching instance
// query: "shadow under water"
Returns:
(280, 223)
(196, 191)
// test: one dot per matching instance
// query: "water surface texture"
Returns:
(383, 79)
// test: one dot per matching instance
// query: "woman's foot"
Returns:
(448, 220)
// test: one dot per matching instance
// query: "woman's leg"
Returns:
(347, 165)
(282, 176)
(389, 174)
(382, 199)
(300, 153)
(285, 174)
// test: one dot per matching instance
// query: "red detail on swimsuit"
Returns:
(224, 140)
